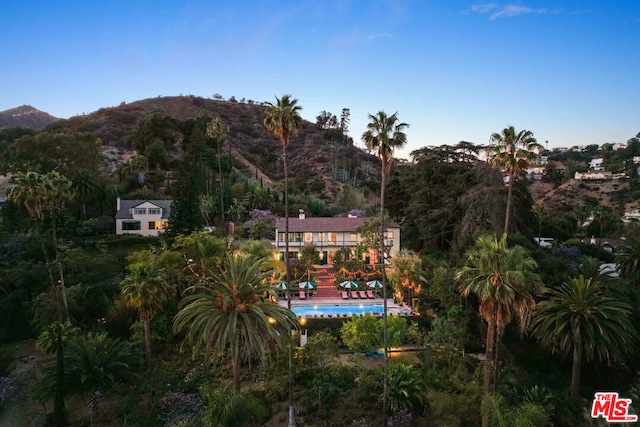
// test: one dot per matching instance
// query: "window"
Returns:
(389, 234)
(298, 237)
(140, 211)
(165, 225)
(332, 238)
(152, 225)
(321, 237)
(155, 211)
(130, 225)
(354, 237)
(308, 237)
(281, 237)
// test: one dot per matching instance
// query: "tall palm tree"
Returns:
(145, 289)
(384, 134)
(231, 313)
(283, 120)
(85, 185)
(503, 281)
(579, 320)
(512, 152)
(218, 130)
(41, 195)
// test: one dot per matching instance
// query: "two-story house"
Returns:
(143, 217)
(329, 235)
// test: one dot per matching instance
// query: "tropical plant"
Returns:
(503, 281)
(578, 319)
(497, 412)
(628, 260)
(511, 152)
(217, 130)
(283, 120)
(405, 388)
(228, 407)
(231, 312)
(321, 350)
(146, 289)
(40, 195)
(384, 134)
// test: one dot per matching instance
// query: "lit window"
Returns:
(354, 237)
(389, 234)
(308, 237)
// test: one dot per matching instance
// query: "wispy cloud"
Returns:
(379, 36)
(496, 11)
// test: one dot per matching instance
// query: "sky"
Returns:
(569, 71)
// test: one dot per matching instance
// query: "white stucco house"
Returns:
(329, 234)
(143, 217)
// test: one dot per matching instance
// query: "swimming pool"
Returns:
(336, 310)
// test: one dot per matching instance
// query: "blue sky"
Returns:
(569, 71)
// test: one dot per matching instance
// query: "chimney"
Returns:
(117, 204)
(300, 213)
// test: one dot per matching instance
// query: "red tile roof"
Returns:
(325, 224)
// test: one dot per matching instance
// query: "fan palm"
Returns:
(512, 152)
(145, 289)
(384, 134)
(218, 130)
(579, 320)
(42, 194)
(283, 120)
(628, 260)
(503, 281)
(231, 312)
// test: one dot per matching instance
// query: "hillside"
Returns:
(316, 164)
(26, 117)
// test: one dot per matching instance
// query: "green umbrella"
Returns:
(282, 286)
(349, 284)
(374, 284)
(307, 285)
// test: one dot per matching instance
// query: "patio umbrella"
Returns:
(307, 285)
(281, 286)
(374, 284)
(349, 284)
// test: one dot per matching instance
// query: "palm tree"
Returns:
(218, 130)
(41, 195)
(579, 320)
(145, 289)
(512, 152)
(283, 120)
(503, 281)
(384, 134)
(628, 260)
(85, 185)
(231, 313)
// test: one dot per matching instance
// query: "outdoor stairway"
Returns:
(326, 289)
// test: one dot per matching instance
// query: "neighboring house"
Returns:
(596, 164)
(535, 172)
(143, 217)
(593, 176)
(542, 160)
(631, 216)
(328, 234)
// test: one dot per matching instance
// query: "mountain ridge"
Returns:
(26, 116)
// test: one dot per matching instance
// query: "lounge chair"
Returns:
(370, 294)
(345, 295)
(362, 294)
(354, 295)
(303, 295)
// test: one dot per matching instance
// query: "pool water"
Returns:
(336, 310)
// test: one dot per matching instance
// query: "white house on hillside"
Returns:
(143, 217)
(330, 234)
